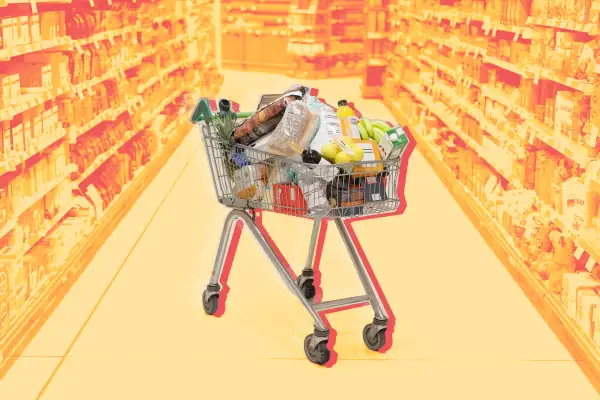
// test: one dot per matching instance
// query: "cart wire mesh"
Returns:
(247, 178)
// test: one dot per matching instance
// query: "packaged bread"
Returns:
(293, 133)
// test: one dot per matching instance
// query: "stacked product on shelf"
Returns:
(375, 48)
(504, 99)
(255, 35)
(93, 101)
(327, 38)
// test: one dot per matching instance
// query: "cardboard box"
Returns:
(289, 199)
(573, 283)
(371, 154)
(392, 144)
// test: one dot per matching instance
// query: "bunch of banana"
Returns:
(372, 129)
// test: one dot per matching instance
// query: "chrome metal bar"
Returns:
(361, 270)
(224, 243)
(288, 279)
(313, 243)
(339, 303)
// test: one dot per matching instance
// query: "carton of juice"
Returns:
(392, 144)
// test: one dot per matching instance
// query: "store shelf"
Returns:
(47, 298)
(27, 203)
(487, 154)
(576, 152)
(160, 76)
(28, 101)
(108, 35)
(506, 65)
(548, 304)
(590, 29)
(11, 164)
(543, 73)
(7, 54)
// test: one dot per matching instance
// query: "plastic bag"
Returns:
(293, 134)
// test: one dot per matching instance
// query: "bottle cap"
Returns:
(342, 103)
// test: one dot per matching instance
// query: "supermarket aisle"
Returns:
(464, 329)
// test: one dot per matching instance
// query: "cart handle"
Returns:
(202, 112)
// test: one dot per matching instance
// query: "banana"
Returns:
(381, 125)
(377, 134)
(367, 124)
(363, 132)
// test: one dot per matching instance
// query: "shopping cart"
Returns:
(317, 192)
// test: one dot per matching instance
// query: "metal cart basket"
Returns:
(250, 181)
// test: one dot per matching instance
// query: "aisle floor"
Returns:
(133, 326)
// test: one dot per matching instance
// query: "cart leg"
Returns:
(306, 280)
(232, 229)
(381, 317)
(288, 278)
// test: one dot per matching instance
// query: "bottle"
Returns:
(348, 120)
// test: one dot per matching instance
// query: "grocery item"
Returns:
(293, 133)
(250, 181)
(348, 120)
(370, 154)
(328, 129)
(313, 190)
(367, 125)
(393, 143)
(265, 120)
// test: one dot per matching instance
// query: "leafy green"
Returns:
(225, 125)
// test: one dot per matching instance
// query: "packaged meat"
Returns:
(265, 120)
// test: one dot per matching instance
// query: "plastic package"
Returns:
(293, 134)
(265, 120)
(250, 181)
(313, 190)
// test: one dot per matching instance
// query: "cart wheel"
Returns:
(320, 354)
(307, 287)
(374, 340)
(210, 302)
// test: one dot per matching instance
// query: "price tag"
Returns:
(494, 32)
(78, 48)
(475, 53)
(96, 45)
(79, 93)
(92, 4)
(469, 19)
(563, 24)
(34, 9)
(536, 77)
(111, 40)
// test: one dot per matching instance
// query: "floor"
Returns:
(133, 325)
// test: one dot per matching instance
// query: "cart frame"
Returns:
(317, 345)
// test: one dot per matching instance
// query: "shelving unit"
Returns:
(503, 103)
(145, 59)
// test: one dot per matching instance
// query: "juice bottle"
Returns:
(348, 120)
(343, 110)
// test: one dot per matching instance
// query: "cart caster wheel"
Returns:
(210, 302)
(374, 336)
(307, 287)
(320, 354)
